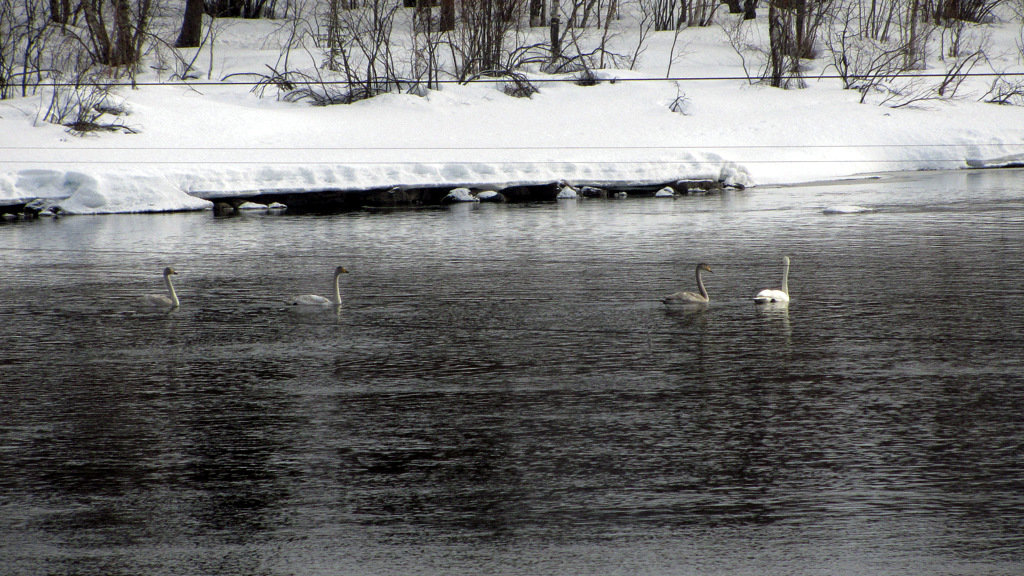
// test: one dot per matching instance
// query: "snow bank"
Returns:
(99, 192)
(191, 145)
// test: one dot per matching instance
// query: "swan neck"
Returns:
(170, 290)
(700, 285)
(785, 278)
(337, 289)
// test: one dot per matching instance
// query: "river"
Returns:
(503, 391)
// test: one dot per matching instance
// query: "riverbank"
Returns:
(188, 145)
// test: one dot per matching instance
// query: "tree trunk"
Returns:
(447, 15)
(777, 35)
(556, 36)
(749, 9)
(122, 44)
(192, 26)
(914, 50)
(125, 37)
(735, 6)
(537, 13)
(98, 32)
(422, 15)
(60, 11)
(800, 29)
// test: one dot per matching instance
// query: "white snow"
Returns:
(567, 193)
(253, 206)
(195, 143)
(461, 195)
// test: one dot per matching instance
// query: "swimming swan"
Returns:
(315, 300)
(690, 297)
(169, 300)
(780, 296)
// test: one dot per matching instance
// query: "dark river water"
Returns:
(503, 391)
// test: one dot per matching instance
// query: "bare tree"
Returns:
(537, 12)
(743, 40)
(792, 31)
(60, 11)
(749, 9)
(24, 35)
(661, 13)
(117, 40)
(478, 41)
(241, 8)
(863, 63)
(359, 47)
(192, 25)
(555, 33)
(447, 20)
(945, 11)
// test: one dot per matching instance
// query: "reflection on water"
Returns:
(503, 391)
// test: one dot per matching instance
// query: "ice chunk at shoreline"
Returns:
(567, 193)
(460, 195)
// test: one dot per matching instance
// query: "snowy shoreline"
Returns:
(191, 145)
(138, 191)
(418, 194)
(236, 145)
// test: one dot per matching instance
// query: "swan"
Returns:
(690, 297)
(169, 300)
(778, 296)
(315, 300)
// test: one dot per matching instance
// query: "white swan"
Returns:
(768, 296)
(169, 300)
(690, 297)
(315, 300)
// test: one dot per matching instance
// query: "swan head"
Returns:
(785, 260)
(169, 271)
(340, 270)
(702, 267)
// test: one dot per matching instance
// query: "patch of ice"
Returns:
(847, 209)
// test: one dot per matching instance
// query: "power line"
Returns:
(268, 81)
(704, 146)
(463, 163)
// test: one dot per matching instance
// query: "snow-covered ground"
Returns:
(191, 141)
